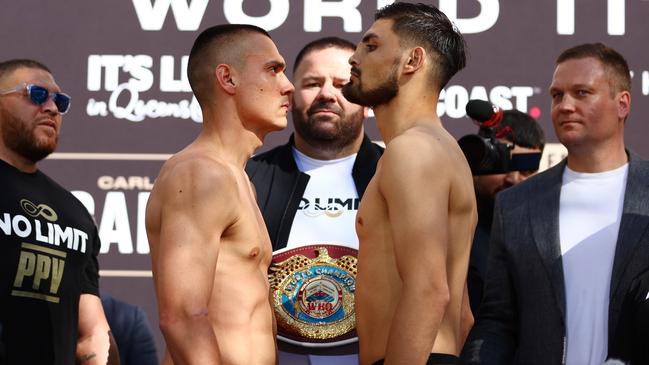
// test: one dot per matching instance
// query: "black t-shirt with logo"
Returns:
(48, 258)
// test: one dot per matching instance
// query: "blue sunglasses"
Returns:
(39, 95)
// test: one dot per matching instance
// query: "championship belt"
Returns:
(312, 291)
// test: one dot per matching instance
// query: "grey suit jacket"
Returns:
(521, 319)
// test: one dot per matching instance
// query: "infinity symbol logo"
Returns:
(39, 210)
(318, 210)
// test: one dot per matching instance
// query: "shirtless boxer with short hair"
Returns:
(416, 221)
(209, 245)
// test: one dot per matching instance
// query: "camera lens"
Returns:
(483, 155)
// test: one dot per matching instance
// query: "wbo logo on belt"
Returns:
(312, 290)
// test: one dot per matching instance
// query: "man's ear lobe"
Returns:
(416, 60)
(225, 77)
(624, 104)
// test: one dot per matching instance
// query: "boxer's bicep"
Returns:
(194, 214)
(416, 194)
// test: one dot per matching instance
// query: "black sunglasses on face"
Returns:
(39, 95)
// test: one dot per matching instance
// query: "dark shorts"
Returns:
(436, 359)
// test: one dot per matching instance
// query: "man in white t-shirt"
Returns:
(567, 244)
(308, 191)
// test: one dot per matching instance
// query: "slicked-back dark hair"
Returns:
(320, 44)
(616, 67)
(426, 26)
(212, 45)
(9, 66)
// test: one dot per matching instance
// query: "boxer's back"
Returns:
(415, 226)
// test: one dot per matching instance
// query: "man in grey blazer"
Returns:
(567, 243)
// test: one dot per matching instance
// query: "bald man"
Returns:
(209, 245)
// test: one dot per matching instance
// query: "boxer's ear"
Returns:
(226, 78)
(415, 61)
